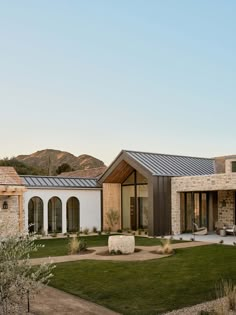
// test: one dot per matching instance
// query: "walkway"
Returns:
(145, 253)
(51, 301)
(211, 237)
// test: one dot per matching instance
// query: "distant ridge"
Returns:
(88, 173)
(48, 160)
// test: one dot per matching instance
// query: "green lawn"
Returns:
(151, 287)
(59, 246)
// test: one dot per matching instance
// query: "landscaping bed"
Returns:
(59, 246)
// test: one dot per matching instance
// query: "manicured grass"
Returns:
(59, 246)
(151, 287)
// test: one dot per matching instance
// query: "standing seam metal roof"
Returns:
(59, 182)
(173, 165)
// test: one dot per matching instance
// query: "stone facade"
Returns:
(9, 218)
(226, 206)
(223, 183)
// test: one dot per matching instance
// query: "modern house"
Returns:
(139, 186)
(159, 192)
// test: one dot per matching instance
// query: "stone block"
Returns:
(121, 243)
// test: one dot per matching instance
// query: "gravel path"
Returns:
(207, 306)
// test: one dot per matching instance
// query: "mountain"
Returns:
(87, 173)
(47, 161)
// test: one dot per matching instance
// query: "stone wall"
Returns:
(9, 217)
(218, 182)
(226, 206)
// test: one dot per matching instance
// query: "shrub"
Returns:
(86, 231)
(165, 248)
(82, 244)
(119, 231)
(112, 218)
(94, 229)
(227, 290)
(74, 246)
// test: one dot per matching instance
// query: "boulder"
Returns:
(121, 244)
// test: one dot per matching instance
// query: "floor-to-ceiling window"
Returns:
(54, 215)
(72, 214)
(35, 215)
(135, 202)
(194, 208)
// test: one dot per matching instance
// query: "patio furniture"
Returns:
(231, 230)
(219, 226)
(222, 232)
(199, 230)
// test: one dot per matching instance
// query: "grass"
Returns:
(59, 246)
(150, 287)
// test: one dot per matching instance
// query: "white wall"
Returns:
(89, 199)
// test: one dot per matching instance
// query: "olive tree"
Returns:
(18, 278)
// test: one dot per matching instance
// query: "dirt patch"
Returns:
(106, 253)
(155, 252)
(86, 252)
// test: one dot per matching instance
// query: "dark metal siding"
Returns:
(161, 205)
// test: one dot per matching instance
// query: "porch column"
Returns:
(45, 216)
(20, 206)
(64, 223)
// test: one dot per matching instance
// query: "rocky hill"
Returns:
(47, 161)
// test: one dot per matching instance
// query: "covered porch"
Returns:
(208, 201)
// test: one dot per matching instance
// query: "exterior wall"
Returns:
(9, 218)
(228, 165)
(218, 182)
(111, 200)
(161, 219)
(89, 200)
(226, 212)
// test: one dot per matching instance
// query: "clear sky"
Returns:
(99, 76)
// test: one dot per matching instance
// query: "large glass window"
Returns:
(54, 215)
(72, 214)
(193, 207)
(135, 202)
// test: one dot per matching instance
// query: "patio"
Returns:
(211, 237)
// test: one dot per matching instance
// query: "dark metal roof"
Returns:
(173, 165)
(59, 182)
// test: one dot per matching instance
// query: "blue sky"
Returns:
(99, 76)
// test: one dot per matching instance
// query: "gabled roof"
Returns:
(173, 165)
(58, 182)
(156, 164)
(9, 177)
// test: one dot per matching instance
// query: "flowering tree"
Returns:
(18, 278)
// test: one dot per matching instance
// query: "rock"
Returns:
(121, 244)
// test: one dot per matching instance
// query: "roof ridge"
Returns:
(58, 177)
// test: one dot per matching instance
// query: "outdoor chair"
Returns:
(199, 230)
(231, 230)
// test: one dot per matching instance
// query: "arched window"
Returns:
(54, 215)
(72, 214)
(35, 215)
